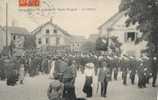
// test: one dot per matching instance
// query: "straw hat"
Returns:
(90, 65)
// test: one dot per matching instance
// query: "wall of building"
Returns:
(63, 39)
(120, 30)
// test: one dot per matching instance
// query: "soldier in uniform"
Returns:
(110, 64)
(124, 69)
(116, 67)
(68, 80)
(59, 68)
(2, 70)
(154, 70)
(140, 73)
(104, 77)
(133, 65)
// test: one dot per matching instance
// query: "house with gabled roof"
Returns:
(50, 35)
(16, 37)
(116, 26)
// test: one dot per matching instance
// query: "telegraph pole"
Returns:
(6, 24)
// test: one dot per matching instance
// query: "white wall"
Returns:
(64, 40)
(119, 29)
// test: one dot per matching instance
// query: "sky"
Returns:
(77, 17)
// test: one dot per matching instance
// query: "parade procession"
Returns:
(78, 50)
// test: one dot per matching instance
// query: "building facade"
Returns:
(15, 39)
(116, 26)
(50, 36)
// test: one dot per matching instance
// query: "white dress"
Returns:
(52, 69)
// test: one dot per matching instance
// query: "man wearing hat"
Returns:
(154, 71)
(59, 68)
(133, 64)
(104, 77)
(124, 69)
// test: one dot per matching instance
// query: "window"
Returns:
(55, 31)
(14, 37)
(47, 31)
(47, 40)
(39, 41)
(131, 36)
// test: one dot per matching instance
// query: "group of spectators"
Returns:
(62, 69)
(98, 72)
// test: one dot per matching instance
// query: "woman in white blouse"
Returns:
(89, 77)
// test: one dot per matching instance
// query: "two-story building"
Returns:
(116, 26)
(15, 38)
(50, 36)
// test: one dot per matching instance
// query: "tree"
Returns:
(102, 44)
(115, 45)
(29, 42)
(145, 13)
(88, 46)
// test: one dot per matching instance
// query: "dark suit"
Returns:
(103, 78)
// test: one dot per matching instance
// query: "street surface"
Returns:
(36, 89)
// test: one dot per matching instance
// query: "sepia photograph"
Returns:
(78, 49)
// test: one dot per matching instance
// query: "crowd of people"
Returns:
(63, 69)
(99, 71)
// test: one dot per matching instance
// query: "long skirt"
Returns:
(12, 78)
(69, 90)
(87, 87)
(69, 93)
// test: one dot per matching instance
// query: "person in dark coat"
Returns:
(115, 73)
(154, 70)
(104, 77)
(74, 67)
(133, 65)
(59, 68)
(140, 72)
(12, 75)
(2, 70)
(124, 70)
(132, 75)
(69, 88)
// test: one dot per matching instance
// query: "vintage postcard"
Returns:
(78, 50)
